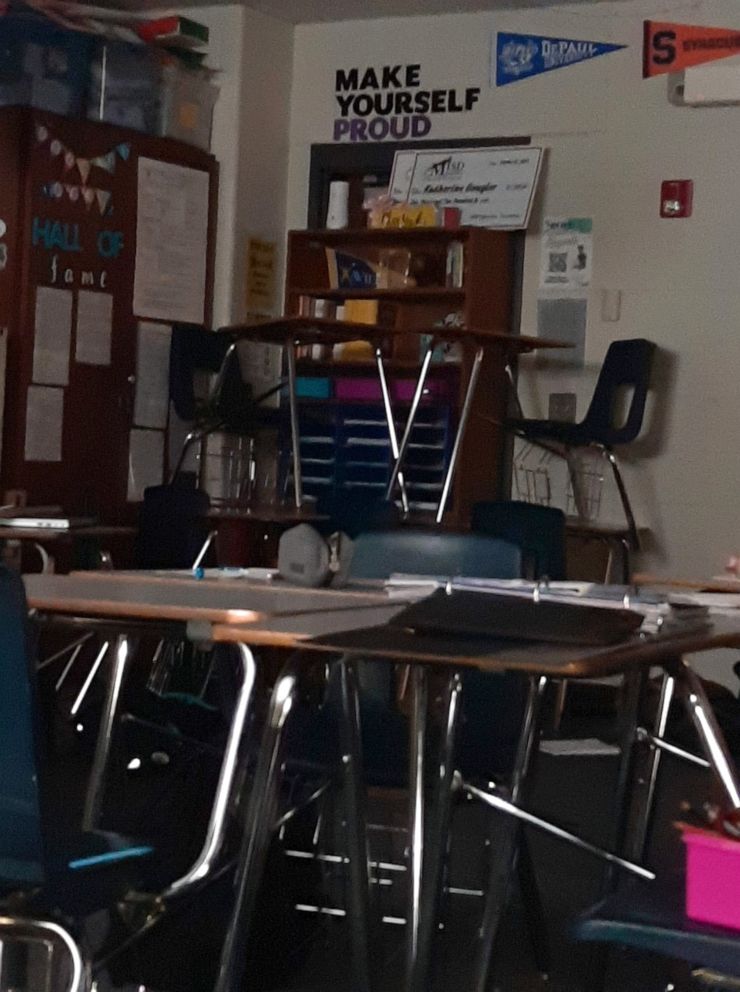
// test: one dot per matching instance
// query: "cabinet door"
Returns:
(77, 335)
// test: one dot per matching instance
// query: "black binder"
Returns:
(482, 614)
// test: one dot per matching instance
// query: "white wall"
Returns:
(612, 138)
(254, 54)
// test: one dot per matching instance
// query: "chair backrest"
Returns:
(627, 365)
(378, 554)
(538, 531)
(354, 512)
(21, 847)
(172, 525)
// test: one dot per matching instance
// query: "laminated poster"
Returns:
(171, 242)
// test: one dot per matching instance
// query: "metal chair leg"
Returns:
(710, 734)
(534, 913)
(626, 505)
(257, 832)
(403, 447)
(419, 699)
(650, 776)
(460, 434)
(437, 840)
(45, 930)
(295, 434)
(96, 785)
(504, 859)
(387, 406)
(354, 801)
(204, 865)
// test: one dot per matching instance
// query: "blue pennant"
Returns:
(519, 56)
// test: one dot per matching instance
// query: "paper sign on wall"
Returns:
(52, 336)
(566, 253)
(672, 47)
(152, 397)
(94, 328)
(171, 242)
(145, 462)
(492, 187)
(261, 264)
(44, 423)
(518, 56)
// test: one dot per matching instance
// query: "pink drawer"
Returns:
(356, 389)
(403, 390)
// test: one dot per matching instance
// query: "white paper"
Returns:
(52, 336)
(94, 328)
(492, 187)
(261, 366)
(44, 423)
(151, 400)
(171, 242)
(566, 254)
(403, 170)
(145, 462)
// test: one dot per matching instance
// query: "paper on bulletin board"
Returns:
(492, 187)
(145, 462)
(44, 424)
(52, 336)
(566, 254)
(171, 242)
(94, 328)
(261, 265)
(152, 396)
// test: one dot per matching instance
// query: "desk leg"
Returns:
(437, 844)
(295, 435)
(391, 425)
(354, 800)
(649, 779)
(462, 425)
(710, 734)
(504, 859)
(417, 744)
(419, 392)
(96, 785)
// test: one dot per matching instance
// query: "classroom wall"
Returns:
(611, 139)
(254, 55)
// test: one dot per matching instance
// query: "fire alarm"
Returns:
(676, 197)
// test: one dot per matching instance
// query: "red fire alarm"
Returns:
(676, 197)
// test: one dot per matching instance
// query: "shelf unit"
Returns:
(405, 314)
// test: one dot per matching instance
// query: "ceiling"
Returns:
(310, 11)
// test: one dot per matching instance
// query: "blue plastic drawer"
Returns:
(313, 387)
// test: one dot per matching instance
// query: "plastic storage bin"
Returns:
(126, 86)
(712, 878)
(43, 66)
(186, 107)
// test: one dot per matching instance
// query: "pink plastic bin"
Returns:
(712, 878)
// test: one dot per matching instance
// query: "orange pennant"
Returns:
(672, 47)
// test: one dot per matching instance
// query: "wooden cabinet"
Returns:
(478, 299)
(68, 207)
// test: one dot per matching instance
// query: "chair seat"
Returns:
(89, 871)
(651, 918)
(562, 432)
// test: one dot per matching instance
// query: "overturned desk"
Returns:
(474, 439)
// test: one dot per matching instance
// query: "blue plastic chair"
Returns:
(42, 872)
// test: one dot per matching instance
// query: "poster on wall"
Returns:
(492, 187)
(393, 102)
(518, 56)
(566, 253)
(171, 242)
(672, 47)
